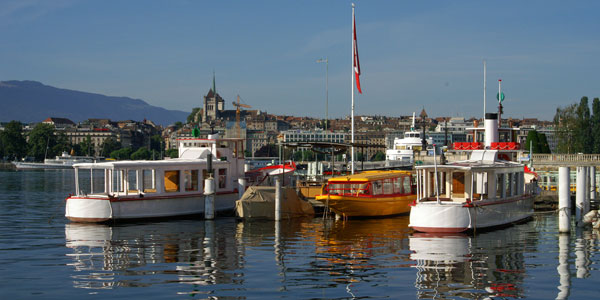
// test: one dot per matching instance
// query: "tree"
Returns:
(62, 144)
(303, 155)
(543, 143)
(192, 117)
(172, 153)
(141, 153)
(532, 142)
(109, 145)
(156, 143)
(13, 143)
(565, 124)
(269, 150)
(86, 146)
(595, 120)
(583, 129)
(121, 154)
(379, 156)
(41, 139)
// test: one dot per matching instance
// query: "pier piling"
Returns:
(564, 200)
(277, 199)
(580, 195)
(592, 184)
(209, 198)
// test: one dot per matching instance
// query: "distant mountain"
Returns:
(32, 101)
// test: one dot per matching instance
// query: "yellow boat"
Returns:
(370, 194)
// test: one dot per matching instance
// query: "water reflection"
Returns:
(315, 258)
(135, 255)
(491, 264)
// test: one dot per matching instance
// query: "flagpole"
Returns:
(352, 88)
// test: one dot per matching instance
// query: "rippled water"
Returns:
(44, 256)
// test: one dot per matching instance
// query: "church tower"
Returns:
(213, 104)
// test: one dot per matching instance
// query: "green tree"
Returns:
(13, 142)
(192, 117)
(532, 142)
(172, 153)
(303, 155)
(178, 125)
(359, 156)
(86, 146)
(379, 156)
(543, 143)
(121, 154)
(583, 129)
(109, 145)
(41, 141)
(62, 144)
(565, 122)
(141, 153)
(156, 143)
(596, 125)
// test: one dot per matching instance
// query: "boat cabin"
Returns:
(481, 177)
(372, 184)
(184, 175)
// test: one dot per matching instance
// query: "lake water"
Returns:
(44, 256)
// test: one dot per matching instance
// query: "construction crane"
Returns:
(237, 114)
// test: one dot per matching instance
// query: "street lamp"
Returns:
(326, 61)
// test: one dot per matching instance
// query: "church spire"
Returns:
(214, 84)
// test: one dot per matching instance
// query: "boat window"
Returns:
(388, 186)
(407, 189)
(118, 180)
(377, 188)
(148, 181)
(500, 185)
(132, 186)
(222, 178)
(398, 185)
(172, 181)
(480, 183)
(191, 180)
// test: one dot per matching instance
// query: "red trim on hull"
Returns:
(88, 220)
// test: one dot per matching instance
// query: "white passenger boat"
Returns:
(122, 190)
(404, 148)
(478, 193)
(63, 161)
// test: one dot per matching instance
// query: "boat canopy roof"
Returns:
(369, 176)
(147, 164)
(480, 159)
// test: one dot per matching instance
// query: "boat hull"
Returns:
(367, 206)
(452, 217)
(102, 209)
(39, 166)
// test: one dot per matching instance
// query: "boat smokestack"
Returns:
(491, 129)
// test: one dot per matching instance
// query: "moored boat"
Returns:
(63, 161)
(369, 194)
(481, 192)
(404, 148)
(124, 190)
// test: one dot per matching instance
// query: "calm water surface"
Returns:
(43, 256)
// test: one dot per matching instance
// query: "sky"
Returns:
(413, 54)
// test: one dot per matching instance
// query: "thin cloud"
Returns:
(23, 11)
